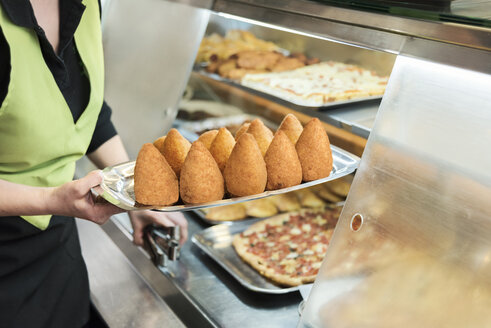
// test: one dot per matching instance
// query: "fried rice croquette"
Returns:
(201, 180)
(314, 151)
(245, 173)
(159, 143)
(282, 163)
(208, 137)
(292, 127)
(222, 147)
(176, 148)
(242, 129)
(262, 134)
(155, 183)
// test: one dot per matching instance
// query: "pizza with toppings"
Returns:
(319, 84)
(289, 248)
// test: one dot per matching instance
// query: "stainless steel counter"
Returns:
(200, 292)
(120, 294)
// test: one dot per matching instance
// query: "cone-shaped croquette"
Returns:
(176, 148)
(245, 172)
(222, 147)
(155, 181)
(159, 143)
(242, 129)
(314, 151)
(292, 127)
(201, 180)
(282, 164)
(262, 134)
(208, 137)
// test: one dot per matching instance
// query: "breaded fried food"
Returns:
(201, 180)
(258, 60)
(262, 134)
(245, 173)
(243, 129)
(176, 148)
(282, 163)
(292, 127)
(208, 137)
(222, 147)
(339, 187)
(286, 202)
(287, 64)
(155, 182)
(227, 213)
(226, 67)
(308, 199)
(314, 151)
(159, 143)
(260, 208)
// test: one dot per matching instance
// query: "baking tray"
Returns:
(275, 98)
(216, 242)
(117, 185)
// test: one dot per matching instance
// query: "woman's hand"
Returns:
(74, 198)
(140, 219)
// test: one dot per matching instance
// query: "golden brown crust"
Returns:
(245, 172)
(258, 60)
(282, 163)
(176, 148)
(292, 127)
(159, 144)
(260, 208)
(201, 180)
(208, 137)
(227, 213)
(287, 64)
(221, 147)
(314, 151)
(262, 134)
(243, 129)
(155, 181)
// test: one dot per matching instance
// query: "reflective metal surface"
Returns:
(378, 31)
(422, 192)
(217, 243)
(118, 292)
(202, 293)
(149, 50)
(117, 185)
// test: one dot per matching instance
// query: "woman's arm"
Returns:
(112, 152)
(70, 199)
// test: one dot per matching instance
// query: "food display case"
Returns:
(424, 139)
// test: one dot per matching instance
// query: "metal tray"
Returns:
(117, 185)
(216, 241)
(275, 98)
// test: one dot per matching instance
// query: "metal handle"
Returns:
(163, 243)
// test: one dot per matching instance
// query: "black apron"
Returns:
(43, 277)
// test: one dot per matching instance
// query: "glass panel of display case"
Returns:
(412, 245)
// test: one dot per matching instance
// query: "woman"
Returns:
(52, 112)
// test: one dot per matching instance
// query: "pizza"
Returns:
(288, 248)
(319, 84)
